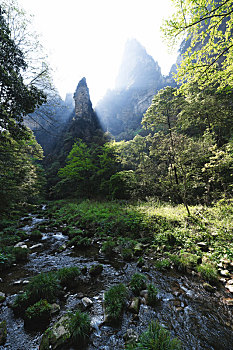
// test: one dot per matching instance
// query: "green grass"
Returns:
(138, 283)
(155, 338)
(80, 327)
(114, 301)
(152, 297)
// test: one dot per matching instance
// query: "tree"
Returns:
(16, 98)
(207, 27)
(20, 176)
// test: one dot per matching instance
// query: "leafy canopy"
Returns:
(207, 56)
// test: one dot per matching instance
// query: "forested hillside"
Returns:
(116, 223)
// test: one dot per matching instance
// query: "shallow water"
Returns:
(199, 319)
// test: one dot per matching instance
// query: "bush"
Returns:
(67, 275)
(108, 247)
(162, 264)
(155, 338)
(38, 315)
(36, 235)
(81, 242)
(138, 283)
(152, 294)
(115, 299)
(20, 254)
(208, 272)
(43, 286)
(79, 326)
(96, 270)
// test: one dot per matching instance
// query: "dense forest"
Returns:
(92, 219)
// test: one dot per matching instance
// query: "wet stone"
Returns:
(36, 246)
(87, 302)
(134, 306)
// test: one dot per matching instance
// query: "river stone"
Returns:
(87, 302)
(230, 287)
(57, 336)
(134, 306)
(228, 301)
(20, 245)
(203, 246)
(36, 246)
(2, 297)
(3, 332)
(224, 273)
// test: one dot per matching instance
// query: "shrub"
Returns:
(108, 247)
(43, 286)
(67, 275)
(155, 338)
(79, 326)
(138, 283)
(81, 242)
(162, 264)
(208, 272)
(115, 299)
(127, 254)
(36, 235)
(20, 254)
(38, 315)
(152, 294)
(96, 270)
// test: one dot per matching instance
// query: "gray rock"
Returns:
(134, 306)
(57, 336)
(36, 246)
(87, 302)
(21, 245)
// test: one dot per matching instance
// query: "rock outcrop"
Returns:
(121, 110)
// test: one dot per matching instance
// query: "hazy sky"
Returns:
(87, 37)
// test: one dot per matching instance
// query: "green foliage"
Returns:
(114, 301)
(96, 270)
(20, 254)
(43, 286)
(67, 275)
(162, 264)
(152, 297)
(156, 338)
(122, 184)
(108, 247)
(80, 242)
(80, 327)
(208, 272)
(36, 235)
(138, 283)
(21, 179)
(207, 52)
(38, 314)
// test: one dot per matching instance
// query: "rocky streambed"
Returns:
(201, 319)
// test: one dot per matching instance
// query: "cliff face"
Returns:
(139, 78)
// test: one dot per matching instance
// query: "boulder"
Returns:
(57, 336)
(87, 302)
(134, 306)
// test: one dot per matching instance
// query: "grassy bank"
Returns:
(202, 242)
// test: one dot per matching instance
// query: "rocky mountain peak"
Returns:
(138, 69)
(83, 105)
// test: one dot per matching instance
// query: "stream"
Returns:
(200, 319)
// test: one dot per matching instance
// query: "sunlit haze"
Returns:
(87, 38)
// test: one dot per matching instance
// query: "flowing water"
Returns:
(199, 319)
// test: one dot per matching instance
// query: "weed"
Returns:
(115, 299)
(152, 298)
(208, 272)
(38, 314)
(67, 276)
(138, 283)
(79, 326)
(155, 338)
(162, 264)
